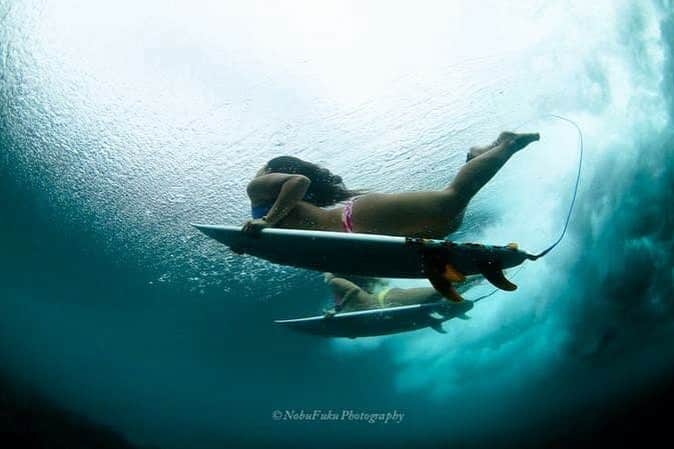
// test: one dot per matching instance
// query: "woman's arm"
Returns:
(285, 190)
(343, 289)
(292, 191)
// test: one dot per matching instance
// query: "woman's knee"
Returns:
(455, 202)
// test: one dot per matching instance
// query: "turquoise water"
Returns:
(122, 123)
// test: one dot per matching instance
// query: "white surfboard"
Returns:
(392, 320)
(337, 252)
(367, 254)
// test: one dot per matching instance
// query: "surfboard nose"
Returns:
(208, 230)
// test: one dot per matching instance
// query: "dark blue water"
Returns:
(118, 130)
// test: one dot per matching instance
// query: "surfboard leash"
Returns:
(575, 188)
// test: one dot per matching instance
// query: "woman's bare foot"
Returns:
(515, 140)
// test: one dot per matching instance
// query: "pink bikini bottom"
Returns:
(347, 216)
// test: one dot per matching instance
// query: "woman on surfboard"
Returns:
(291, 193)
(350, 297)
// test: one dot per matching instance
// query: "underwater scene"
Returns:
(242, 224)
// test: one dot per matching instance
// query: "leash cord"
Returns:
(575, 189)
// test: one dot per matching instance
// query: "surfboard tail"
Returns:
(442, 274)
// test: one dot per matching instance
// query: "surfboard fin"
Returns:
(494, 274)
(437, 327)
(441, 275)
(435, 315)
(451, 274)
(443, 286)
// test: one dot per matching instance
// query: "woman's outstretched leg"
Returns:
(484, 163)
(435, 214)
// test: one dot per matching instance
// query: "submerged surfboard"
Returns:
(442, 262)
(369, 323)
(360, 254)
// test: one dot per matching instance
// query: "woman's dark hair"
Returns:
(325, 189)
